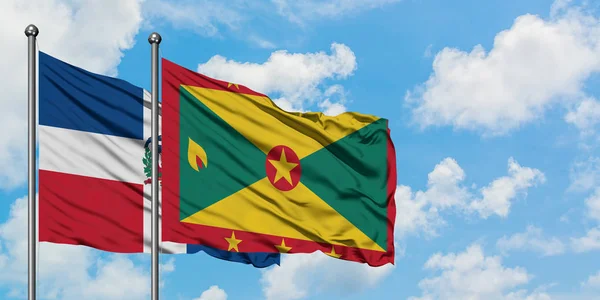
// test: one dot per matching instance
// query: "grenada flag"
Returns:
(241, 174)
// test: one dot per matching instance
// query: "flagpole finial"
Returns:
(154, 38)
(32, 30)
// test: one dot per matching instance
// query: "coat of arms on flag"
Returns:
(147, 160)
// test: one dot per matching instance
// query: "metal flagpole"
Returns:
(154, 39)
(31, 32)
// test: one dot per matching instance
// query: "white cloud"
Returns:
(427, 53)
(589, 242)
(585, 175)
(592, 203)
(300, 11)
(201, 16)
(420, 211)
(443, 184)
(213, 293)
(415, 214)
(168, 267)
(586, 116)
(261, 42)
(524, 295)
(296, 77)
(533, 240)
(66, 271)
(286, 105)
(532, 65)
(559, 6)
(592, 282)
(299, 274)
(332, 109)
(69, 30)
(472, 275)
(213, 18)
(496, 196)
(330, 106)
(118, 278)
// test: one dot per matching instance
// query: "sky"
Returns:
(493, 108)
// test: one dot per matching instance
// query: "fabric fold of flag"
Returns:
(242, 174)
(94, 168)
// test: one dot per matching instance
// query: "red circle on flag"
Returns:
(283, 168)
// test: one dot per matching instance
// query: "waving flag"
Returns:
(241, 174)
(94, 165)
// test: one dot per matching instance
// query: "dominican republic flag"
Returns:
(95, 165)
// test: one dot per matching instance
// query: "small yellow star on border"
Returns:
(233, 242)
(283, 248)
(333, 254)
(229, 84)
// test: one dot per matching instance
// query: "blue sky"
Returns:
(493, 110)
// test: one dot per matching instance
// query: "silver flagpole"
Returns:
(31, 32)
(154, 39)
